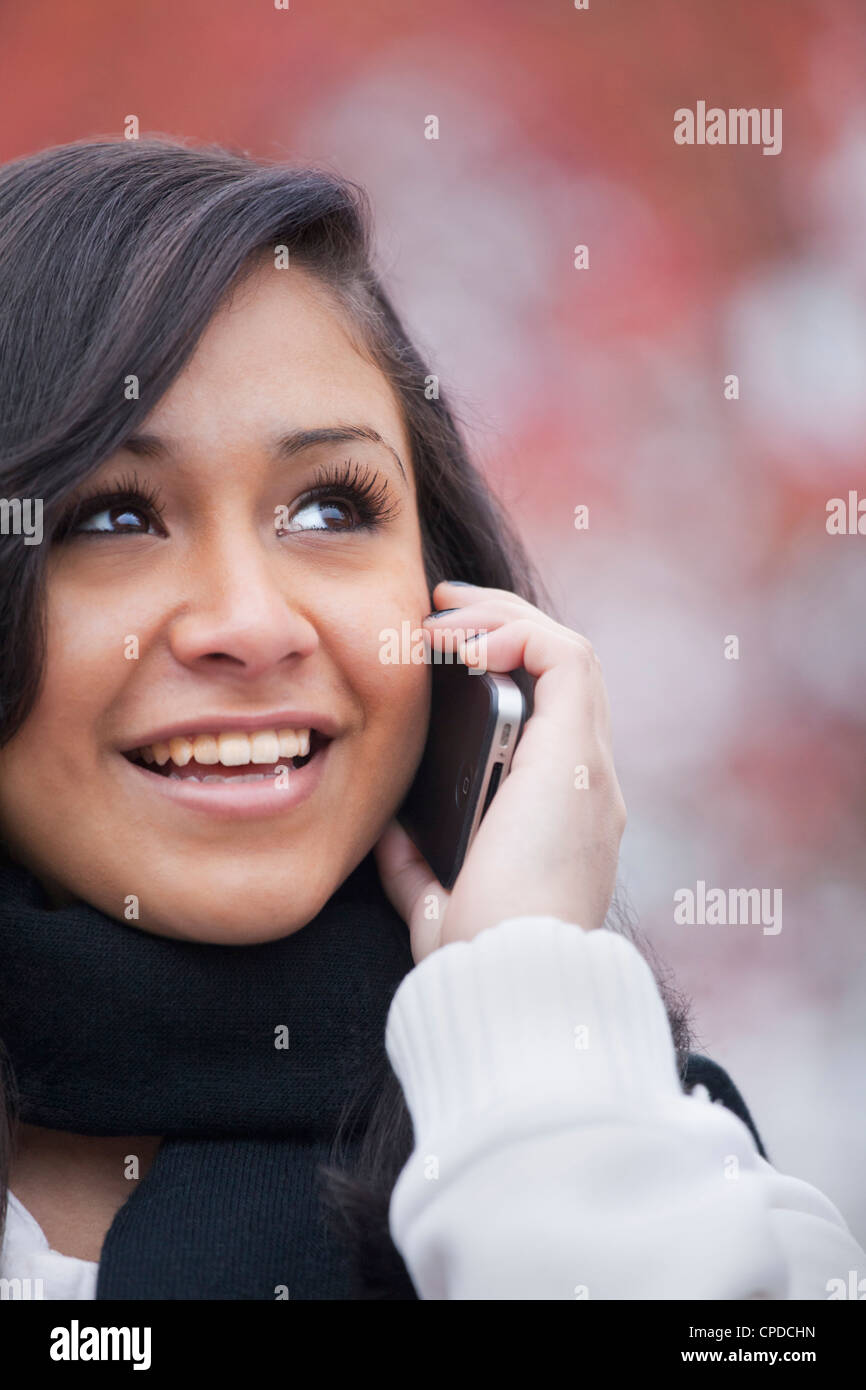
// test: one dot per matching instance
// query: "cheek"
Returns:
(393, 695)
(89, 663)
(398, 711)
(48, 765)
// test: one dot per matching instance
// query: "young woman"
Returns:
(231, 1071)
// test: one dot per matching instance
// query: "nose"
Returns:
(244, 620)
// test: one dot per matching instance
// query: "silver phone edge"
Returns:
(509, 710)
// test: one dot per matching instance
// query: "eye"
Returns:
(120, 518)
(127, 507)
(322, 514)
(348, 497)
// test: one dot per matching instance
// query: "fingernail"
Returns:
(441, 613)
(463, 583)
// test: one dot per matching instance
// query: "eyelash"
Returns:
(356, 483)
(348, 481)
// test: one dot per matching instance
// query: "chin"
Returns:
(230, 902)
(224, 921)
(253, 932)
(254, 902)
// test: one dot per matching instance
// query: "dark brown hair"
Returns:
(114, 255)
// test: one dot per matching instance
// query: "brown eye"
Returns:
(121, 517)
(347, 497)
(322, 514)
(128, 509)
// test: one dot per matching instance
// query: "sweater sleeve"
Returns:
(556, 1155)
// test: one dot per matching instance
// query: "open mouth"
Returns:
(230, 757)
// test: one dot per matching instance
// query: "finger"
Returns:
(406, 875)
(488, 613)
(561, 665)
(454, 594)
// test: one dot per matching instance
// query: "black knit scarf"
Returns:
(112, 1030)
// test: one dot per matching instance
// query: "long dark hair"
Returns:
(114, 255)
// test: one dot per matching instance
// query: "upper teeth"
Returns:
(231, 750)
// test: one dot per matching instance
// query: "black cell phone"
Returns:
(476, 719)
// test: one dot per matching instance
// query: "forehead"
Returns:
(277, 354)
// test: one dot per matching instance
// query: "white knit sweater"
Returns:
(556, 1155)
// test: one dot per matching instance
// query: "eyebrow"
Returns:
(282, 446)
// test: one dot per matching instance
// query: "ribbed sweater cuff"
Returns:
(533, 1018)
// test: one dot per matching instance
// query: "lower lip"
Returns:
(237, 801)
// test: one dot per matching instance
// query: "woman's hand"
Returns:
(549, 843)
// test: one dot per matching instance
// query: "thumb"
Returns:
(408, 879)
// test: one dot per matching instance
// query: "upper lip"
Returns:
(245, 723)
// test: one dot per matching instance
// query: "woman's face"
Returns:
(242, 612)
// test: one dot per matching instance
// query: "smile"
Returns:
(186, 758)
(234, 773)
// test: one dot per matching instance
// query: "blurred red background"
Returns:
(605, 387)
